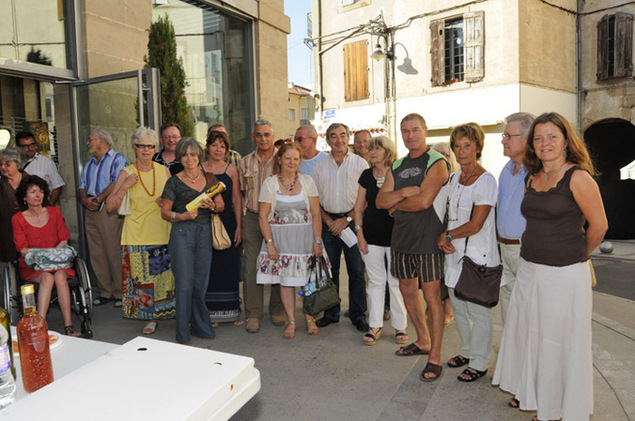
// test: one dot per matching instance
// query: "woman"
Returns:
(147, 279)
(222, 297)
(10, 177)
(290, 222)
(374, 231)
(545, 355)
(190, 243)
(471, 231)
(42, 226)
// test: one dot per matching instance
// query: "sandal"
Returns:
(288, 333)
(431, 368)
(311, 330)
(409, 350)
(472, 374)
(238, 322)
(150, 327)
(69, 331)
(458, 361)
(513, 403)
(371, 337)
(401, 337)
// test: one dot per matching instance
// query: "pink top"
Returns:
(50, 235)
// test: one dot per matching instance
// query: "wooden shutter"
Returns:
(623, 44)
(437, 52)
(356, 71)
(473, 47)
(603, 49)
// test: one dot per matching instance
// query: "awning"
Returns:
(628, 172)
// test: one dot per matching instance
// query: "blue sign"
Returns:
(329, 113)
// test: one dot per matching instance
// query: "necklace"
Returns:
(154, 180)
(556, 170)
(192, 180)
(289, 186)
(379, 178)
(469, 176)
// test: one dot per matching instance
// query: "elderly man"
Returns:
(409, 191)
(39, 164)
(103, 229)
(360, 143)
(336, 180)
(306, 137)
(170, 136)
(254, 169)
(511, 191)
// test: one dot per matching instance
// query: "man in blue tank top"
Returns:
(409, 192)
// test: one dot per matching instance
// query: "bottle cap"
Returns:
(27, 289)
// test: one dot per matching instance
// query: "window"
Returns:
(457, 49)
(356, 71)
(291, 114)
(304, 115)
(615, 46)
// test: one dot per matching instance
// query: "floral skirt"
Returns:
(148, 283)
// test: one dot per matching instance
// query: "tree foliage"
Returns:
(162, 55)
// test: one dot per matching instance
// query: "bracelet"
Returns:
(318, 241)
(173, 216)
(357, 228)
(269, 241)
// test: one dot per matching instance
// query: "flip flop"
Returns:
(150, 327)
(409, 350)
(431, 368)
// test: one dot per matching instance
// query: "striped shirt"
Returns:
(337, 184)
(252, 175)
(99, 175)
(43, 167)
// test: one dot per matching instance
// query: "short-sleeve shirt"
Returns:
(181, 194)
(43, 167)
(416, 232)
(377, 223)
(252, 174)
(99, 175)
(306, 165)
(175, 166)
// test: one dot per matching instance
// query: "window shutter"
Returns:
(437, 52)
(356, 71)
(603, 50)
(474, 46)
(623, 44)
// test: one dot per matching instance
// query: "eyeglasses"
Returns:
(139, 146)
(28, 145)
(175, 137)
(506, 136)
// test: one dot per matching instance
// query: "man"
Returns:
(170, 136)
(306, 137)
(336, 179)
(233, 157)
(39, 165)
(409, 192)
(254, 169)
(360, 143)
(511, 191)
(103, 229)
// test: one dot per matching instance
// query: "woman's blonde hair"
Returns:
(386, 144)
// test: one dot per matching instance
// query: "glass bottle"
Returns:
(5, 321)
(7, 381)
(33, 341)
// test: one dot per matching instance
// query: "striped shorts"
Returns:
(426, 267)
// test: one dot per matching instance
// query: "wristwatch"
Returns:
(357, 228)
(349, 219)
(318, 241)
(448, 237)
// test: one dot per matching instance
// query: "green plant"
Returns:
(162, 55)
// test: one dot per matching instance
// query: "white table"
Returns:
(142, 379)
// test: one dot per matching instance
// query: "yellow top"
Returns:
(144, 226)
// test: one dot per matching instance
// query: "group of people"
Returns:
(404, 225)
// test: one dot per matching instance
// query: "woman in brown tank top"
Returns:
(545, 357)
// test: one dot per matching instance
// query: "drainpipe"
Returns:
(319, 57)
(578, 34)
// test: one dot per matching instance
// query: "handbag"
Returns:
(320, 293)
(50, 259)
(125, 208)
(220, 238)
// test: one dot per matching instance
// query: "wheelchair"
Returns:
(80, 291)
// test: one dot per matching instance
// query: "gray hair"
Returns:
(189, 143)
(263, 122)
(525, 120)
(144, 133)
(12, 154)
(310, 128)
(103, 134)
(335, 126)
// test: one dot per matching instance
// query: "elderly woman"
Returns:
(374, 231)
(222, 297)
(147, 279)
(41, 226)
(10, 177)
(471, 231)
(290, 222)
(190, 243)
(545, 355)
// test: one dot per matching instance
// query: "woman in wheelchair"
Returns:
(42, 226)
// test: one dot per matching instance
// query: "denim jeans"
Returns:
(355, 269)
(190, 249)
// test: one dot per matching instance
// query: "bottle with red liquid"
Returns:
(33, 342)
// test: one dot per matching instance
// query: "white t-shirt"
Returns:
(482, 247)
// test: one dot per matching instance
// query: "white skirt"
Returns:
(545, 357)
